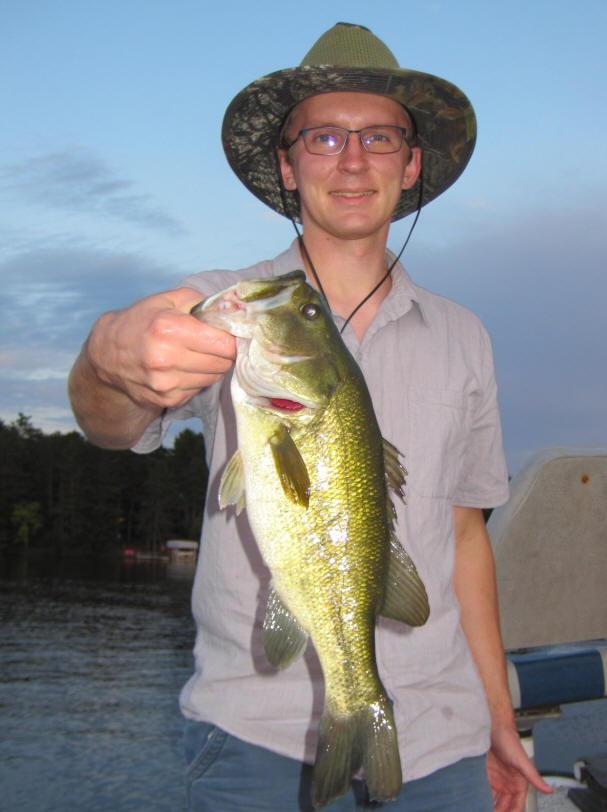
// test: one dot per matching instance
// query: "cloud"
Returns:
(75, 180)
(49, 301)
(537, 279)
(53, 293)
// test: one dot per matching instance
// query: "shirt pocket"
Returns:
(438, 427)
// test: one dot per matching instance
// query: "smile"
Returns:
(354, 194)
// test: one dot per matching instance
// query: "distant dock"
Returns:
(182, 555)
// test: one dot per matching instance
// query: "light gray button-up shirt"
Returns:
(429, 367)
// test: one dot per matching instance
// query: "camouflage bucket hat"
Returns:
(348, 58)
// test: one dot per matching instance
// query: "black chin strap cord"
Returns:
(305, 253)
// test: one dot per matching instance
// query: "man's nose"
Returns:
(353, 154)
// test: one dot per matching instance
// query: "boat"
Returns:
(549, 548)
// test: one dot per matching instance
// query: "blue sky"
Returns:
(113, 183)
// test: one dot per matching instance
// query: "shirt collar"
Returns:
(402, 296)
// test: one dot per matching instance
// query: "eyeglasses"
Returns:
(379, 140)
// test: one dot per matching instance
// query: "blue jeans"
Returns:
(226, 774)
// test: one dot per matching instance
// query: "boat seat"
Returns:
(548, 676)
(550, 547)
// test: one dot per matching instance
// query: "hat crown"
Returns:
(350, 46)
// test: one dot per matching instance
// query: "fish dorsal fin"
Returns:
(231, 487)
(395, 472)
(283, 638)
(405, 597)
(290, 467)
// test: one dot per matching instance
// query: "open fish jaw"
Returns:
(236, 309)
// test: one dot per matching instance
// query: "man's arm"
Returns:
(474, 582)
(138, 361)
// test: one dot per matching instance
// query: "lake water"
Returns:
(93, 659)
(92, 665)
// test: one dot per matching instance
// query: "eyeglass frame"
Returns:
(403, 132)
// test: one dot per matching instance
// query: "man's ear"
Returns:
(286, 170)
(413, 168)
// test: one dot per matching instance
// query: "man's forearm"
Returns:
(107, 416)
(475, 586)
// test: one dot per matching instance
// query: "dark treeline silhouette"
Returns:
(62, 494)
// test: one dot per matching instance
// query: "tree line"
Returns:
(62, 494)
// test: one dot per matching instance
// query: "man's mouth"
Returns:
(354, 194)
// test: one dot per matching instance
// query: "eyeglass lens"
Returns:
(332, 140)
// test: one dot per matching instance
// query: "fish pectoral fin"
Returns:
(231, 487)
(290, 467)
(395, 471)
(283, 638)
(405, 597)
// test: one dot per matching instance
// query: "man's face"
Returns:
(353, 194)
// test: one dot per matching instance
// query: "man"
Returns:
(344, 144)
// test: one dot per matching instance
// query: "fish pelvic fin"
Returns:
(366, 738)
(405, 598)
(290, 467)
(231, 487)
(283, 638)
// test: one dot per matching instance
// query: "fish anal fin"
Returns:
(290, 467)
(284, 640)
(405, 597)
(231, 487)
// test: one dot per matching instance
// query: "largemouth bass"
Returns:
(313, 471)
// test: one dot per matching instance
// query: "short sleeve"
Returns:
(204, 406)
(483, 479)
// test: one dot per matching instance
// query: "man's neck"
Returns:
(348, 271)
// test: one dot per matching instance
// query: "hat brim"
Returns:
(443, 116)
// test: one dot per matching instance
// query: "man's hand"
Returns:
(508, 766)
(510, 771)
(143, 359)
(156, 353)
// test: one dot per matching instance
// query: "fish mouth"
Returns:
(235, 309)
(225, 311)
(262, 366)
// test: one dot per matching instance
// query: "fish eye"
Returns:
(309, 311)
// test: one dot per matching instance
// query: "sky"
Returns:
(113, 182)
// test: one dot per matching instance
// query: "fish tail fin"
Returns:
(336, 759)
(345, 743)
(380, 756)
